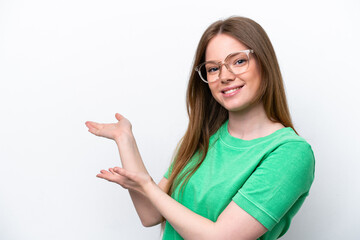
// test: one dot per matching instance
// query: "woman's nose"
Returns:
(225, 74)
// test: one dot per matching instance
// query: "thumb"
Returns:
(119, 116)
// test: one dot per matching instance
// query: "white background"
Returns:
(65, 62)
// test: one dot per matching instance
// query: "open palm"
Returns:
(129, 180)
(110, 130)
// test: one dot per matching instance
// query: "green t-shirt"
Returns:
(268, 177)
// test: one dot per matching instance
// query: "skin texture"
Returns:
(151, 202)
(217, 50)
(246, 121)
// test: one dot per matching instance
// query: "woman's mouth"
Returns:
(228, 92)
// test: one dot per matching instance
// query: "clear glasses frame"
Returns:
(221, 63)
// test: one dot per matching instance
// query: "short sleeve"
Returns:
(284, 176)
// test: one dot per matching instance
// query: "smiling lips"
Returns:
(230, 91)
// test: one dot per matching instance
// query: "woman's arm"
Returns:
(152, 202)
(146, 211)
(233, 222)
(131, 160)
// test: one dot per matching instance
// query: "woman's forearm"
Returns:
(129, 153)
(187, 223)
(131, 160)
(148, 214)
(156, 203)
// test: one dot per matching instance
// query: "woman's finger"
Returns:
(94, 131)
(118, 116)
(131, 178)
(120, 171)
(110, 177)
(94, 127)
(106, 175)
(101, 175)
(114, 177)
(112, 171)
(90, 124)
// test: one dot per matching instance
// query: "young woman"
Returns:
(241, 171)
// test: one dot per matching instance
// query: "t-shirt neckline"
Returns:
(238, 142)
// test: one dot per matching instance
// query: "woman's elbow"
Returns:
(150, 222)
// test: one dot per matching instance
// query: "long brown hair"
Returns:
(206, 115)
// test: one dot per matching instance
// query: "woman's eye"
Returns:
(213, 69)
(240, 61)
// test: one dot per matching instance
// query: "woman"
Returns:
(241, 171)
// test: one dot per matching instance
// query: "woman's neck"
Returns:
(251, 123)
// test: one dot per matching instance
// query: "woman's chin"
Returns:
(237, 108)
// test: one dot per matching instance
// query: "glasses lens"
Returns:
(238, 62)
(209, 71)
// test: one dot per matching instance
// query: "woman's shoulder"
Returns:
(284, 140)
(287, 134)
(292, 146)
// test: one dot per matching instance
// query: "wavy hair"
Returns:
(206, 115)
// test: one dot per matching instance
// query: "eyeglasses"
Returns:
(236, 63)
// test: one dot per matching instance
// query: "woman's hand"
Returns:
(110, 130)
(137, 181)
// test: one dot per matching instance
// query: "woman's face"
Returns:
(234, 92)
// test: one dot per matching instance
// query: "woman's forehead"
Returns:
(220, 46)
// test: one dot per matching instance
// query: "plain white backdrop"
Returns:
(65, 62)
